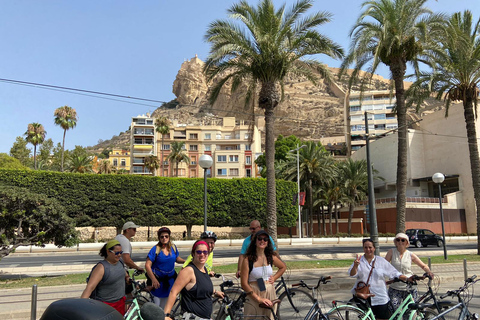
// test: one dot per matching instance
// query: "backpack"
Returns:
(106, 274)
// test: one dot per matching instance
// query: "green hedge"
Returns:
(110, 200)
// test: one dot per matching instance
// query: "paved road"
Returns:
(228, 253)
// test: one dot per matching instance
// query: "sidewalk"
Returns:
(16, 303)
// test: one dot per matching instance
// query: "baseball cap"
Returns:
(128, 225)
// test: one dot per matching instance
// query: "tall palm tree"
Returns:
(162, 126)
(80, 164)
(393, 32)
(261, 50)
(66, 118)
(35, 135)
(177, 154)
(354, 178)
(316, 166)
(456, 77)
(151, 162)
(105, 167)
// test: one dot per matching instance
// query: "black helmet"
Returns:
(209, 234)
(163, 229)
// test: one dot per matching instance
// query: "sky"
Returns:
(128, 48)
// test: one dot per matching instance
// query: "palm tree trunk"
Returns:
(324, 224)
(161, 149)
(270, 162)
(330, 218)
(176, 165)
(310, 205)
(35, 156)
(474, 158)
(63, 149)
(398, 73)
(350, 218)
(336, 219)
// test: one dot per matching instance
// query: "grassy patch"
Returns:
(80, 278)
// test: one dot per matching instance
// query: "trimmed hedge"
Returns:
(110, 200)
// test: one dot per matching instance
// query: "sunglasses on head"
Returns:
(164, 237)
(116, 253)
(204, 252)
(264, 239)
(400, 239)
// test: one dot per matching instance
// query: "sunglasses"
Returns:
(264, 239)
(398, 240)
(116, 253)
(164, 237)
(204, 252)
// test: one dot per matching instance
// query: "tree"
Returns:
(44, 155)
(162, 126)
(265, 47)
(7, 162)
(456, 77)
(354, 179)
(393, 32)
(151, 162)
(80, 164)
(105, 167)
(32, 219)
(177, 154)
(35, 135)
(20, 151)
(316, 166)
(282, 148)
(66, 118)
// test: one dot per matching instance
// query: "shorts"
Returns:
(118, 305)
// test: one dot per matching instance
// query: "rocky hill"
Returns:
(308, 111)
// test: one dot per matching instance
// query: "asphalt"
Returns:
(17, 303)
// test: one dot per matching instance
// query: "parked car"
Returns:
(423, 237)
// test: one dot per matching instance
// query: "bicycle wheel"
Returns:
(232, 293)
(297, 307)
(347, 313)
(422, 314)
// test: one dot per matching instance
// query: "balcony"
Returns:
(193, 163)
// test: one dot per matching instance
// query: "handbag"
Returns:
(362, 290)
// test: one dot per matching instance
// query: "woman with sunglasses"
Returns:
(402, 259)
(257, 275)
(195, 285)
(160, 266)
(107, 279)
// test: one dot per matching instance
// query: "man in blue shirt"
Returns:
(254, 228)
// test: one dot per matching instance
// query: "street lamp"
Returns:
(205, 161)
(438, 178)
(298, 189)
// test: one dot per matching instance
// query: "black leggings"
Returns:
(383, 311)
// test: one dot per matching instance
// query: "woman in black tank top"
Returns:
(195, 285)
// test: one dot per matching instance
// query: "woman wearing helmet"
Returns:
(160, 266)
(210, 238)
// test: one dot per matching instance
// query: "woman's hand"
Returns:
(219, 294)
(356, 262)
(155, 283)
(271, 280)
(266, 302)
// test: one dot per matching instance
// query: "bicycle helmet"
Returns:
(209, 234)
(164, 229)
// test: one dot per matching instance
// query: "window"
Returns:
(166, 147)
(137, 169)
(228, 137)
(148, 141)
(353, 109)
(219, 136)
(193, 160)
(138, 141)
(234, 172)
(193, 136)
(209, 173)
(123, 162)
(221, 172)
(149, 121)
(138, 160)
(208, 136)
(193, 147)
(249, 173)
(248, 160)
(381, 116)
(233, 159)
(193, 173)
(248, 147)
(208, 147)
(222, 158)
(115, 162)
(181, 172)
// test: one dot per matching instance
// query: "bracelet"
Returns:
(169, 315)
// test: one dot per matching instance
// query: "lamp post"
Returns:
(298, 189)
(438, 178)
(205, 161)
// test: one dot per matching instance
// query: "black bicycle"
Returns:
(294, 302)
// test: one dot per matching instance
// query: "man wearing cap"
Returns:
(129, 230)
(254, 228)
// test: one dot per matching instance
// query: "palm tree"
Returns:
(316, 165)
(162, 126)
(80, 164)
(393, 32)
(35, 135)
(456, 77)
(354, 178)
(105, 167)
(261, 50)
(66, 118)
(177, 154)
(151, 162)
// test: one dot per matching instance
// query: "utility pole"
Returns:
(371, 195)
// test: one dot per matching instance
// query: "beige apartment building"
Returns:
(142, 143)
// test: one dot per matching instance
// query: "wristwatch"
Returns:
(169, 315)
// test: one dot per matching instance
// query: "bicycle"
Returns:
(362, 310)
(463, 296)
(299, 301)
(141, 295)
(231, 293)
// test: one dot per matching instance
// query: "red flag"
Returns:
(302, 198)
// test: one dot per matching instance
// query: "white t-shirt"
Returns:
(382, 269)
(125, 243)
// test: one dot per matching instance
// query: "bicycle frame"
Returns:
(463, 314)
(133, 311)
(281, 284)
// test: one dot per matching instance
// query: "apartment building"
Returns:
(381, 119)
(232, 144)
(120, 159)
(142, 141)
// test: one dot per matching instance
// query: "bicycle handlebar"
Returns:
(413, 278)
(468, 282)
(322, 279)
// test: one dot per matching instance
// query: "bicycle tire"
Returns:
(232, 293)
(347, 313)
(302, 301)
(422, 314)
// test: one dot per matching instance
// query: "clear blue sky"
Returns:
(132, 48)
